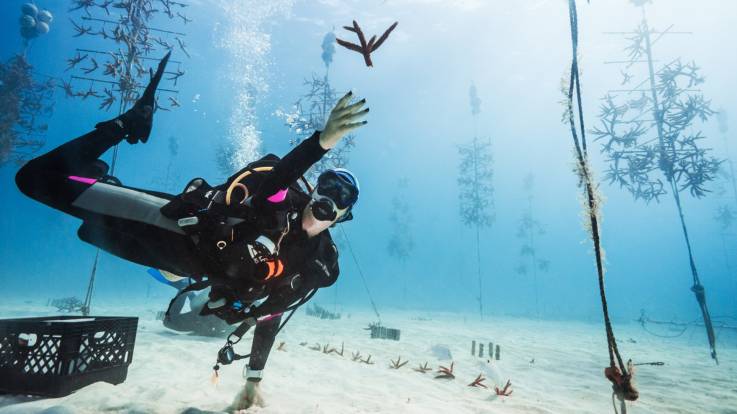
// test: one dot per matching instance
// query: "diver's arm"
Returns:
(343, 119)
(289, 169)
(263, 340)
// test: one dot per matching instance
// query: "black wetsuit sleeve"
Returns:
(263, 339)
(288, 170)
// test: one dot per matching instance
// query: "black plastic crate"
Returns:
(381, 332)
(57, 355)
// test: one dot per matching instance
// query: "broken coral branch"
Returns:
(365, 48)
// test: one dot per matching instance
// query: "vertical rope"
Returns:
(478, 267)
(360, 272)
(617, 372)
(90, 287)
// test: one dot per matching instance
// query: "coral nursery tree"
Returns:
(725, 215)
(311, 111)
(26, 102)
(649, 133)
(401, 243)
(727, 208)
(475, 174)
(117, 74)
(729, 170)
(528, 230)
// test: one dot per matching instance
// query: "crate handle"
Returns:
(27, 340)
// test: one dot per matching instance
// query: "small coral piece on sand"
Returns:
(478, 382)
(356, 356)
(398, 363)
(505, 392)
(281, 346)
(423, 369)
(367, 360)
(445, 373)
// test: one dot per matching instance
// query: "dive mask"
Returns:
(335, 193)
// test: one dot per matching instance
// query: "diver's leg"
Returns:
(58, 177)
(123, 221)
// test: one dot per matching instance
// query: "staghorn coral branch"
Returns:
(478, 382)
(384, 36)
(423, 368)
(445, 373)
(371, 43)
(361, 36)
(398, 363)
(363, 47)
(506, 392)
(349, 45)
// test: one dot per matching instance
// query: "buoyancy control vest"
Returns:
(239, 243)
(216, 217)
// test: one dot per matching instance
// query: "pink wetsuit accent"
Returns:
(85, 180)
(279, 196)
(270, 317)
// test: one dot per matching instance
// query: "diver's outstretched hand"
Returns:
(137, 122)
(249, 396)
(343, 119)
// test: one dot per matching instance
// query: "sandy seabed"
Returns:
(554, 366)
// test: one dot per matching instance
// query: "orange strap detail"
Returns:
(276, 267)
(279, 268)
(271, 270)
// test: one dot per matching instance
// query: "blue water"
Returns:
(249, 60)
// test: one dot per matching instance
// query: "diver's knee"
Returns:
(32, 180)
(24, 178)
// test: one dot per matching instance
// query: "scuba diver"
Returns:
(259, 241)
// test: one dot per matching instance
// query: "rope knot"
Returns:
(622, 384)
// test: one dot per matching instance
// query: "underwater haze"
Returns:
(471, 212)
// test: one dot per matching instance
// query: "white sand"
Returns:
(171, 372)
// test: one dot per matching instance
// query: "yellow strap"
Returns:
(231, 187)
(234, 184)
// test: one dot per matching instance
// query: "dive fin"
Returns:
(148, 95)
(168, 278)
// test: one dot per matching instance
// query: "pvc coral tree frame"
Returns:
(117, 75)
(650, 136)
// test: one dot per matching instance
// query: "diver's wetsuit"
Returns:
(128, 223)
(122, 220)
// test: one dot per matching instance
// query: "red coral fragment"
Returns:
(365, 48)
(506, 392)
(445, 373)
